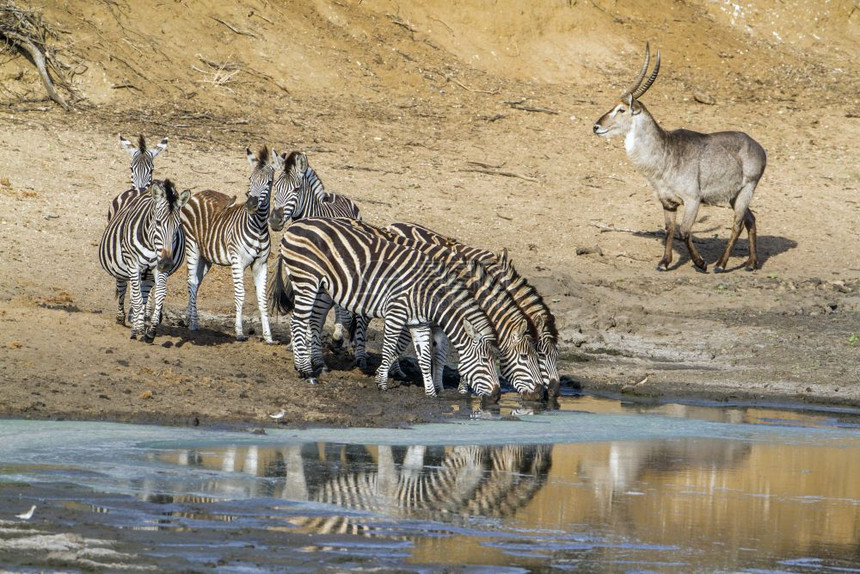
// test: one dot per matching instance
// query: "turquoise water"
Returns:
(598, 485)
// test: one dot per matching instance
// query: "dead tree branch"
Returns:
(25, 31)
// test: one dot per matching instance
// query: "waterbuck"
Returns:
(689, 168)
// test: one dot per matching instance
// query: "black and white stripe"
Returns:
(298, 193)
(335, 261)
(144, 239)
(518, 359)
(541, 319)
(142, 166)
(220, 232)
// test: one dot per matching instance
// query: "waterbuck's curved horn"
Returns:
(644, 87)
(642, 72)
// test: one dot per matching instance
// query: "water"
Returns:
(595, 486)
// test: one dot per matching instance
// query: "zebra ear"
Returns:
(503, 256)
(184, 197)
(251, 158)
(127, 145)
(278, 160)
(302, 162)
(158, 191)
(162, 145)
(470, 329)
(520, 329)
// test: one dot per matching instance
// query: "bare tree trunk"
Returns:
(39, 60)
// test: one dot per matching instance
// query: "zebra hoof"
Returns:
(133, 336)
(337, 344)
(463, 388)
(312, 380)
(120, 319)
(241, 337)
(533, 396)
(553, 389)
(148, 336)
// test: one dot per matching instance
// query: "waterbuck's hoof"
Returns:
(662, 266)
(752, 267)
(703, 268)
(270, 342)
(241, 337)
(718, 269)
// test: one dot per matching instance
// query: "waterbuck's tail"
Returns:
(281, 298)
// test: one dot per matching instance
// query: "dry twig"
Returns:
(501, 173)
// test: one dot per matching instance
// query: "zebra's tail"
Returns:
(281, 299)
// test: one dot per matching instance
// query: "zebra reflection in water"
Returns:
(445, 484)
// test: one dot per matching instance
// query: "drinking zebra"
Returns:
(518, 360)
(334, 260)
(220, 232)
(299, 193)
(142, 165)
(144, 238)
(528, 299)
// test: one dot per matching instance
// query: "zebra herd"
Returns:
(428, 288)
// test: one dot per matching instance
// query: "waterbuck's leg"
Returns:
(259, 271)
(421, 339)
(238, 272)
(691, 209)
(669, 217)
(749, 222)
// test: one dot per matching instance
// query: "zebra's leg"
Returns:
(422, 341)
(160, 293)
(396, 371)
(342, 320)
(394, 324)
(322, 305)
(145, 288)
(299, 331)
(259, 271)
(197, 269)
(440, 359)
(360, 342)
(137, 307)
(121, 287)
(238, 273)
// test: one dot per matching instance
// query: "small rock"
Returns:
(596, 250)
(704, 98)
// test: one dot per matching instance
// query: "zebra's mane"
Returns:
(141, 144)
(170, 193)
(514, 277)
(291, 160)
(263, 157)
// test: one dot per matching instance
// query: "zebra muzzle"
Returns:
(165, 261)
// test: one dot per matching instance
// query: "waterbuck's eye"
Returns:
(621, 110)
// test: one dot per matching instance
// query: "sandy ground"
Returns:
(474, 119)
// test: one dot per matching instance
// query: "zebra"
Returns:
(335, 261)
(527, 297)
(144, 238)
(220, 232)
(518, 360)
(142, 165)
(299, 193)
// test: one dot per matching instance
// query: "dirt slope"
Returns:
(473, 118)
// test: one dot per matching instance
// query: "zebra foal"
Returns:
(541, 319)
(335, 261)
(144, 238)
(220, 232)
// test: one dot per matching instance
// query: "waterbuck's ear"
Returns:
(184, 197)
(127, 145)
(162, 145)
